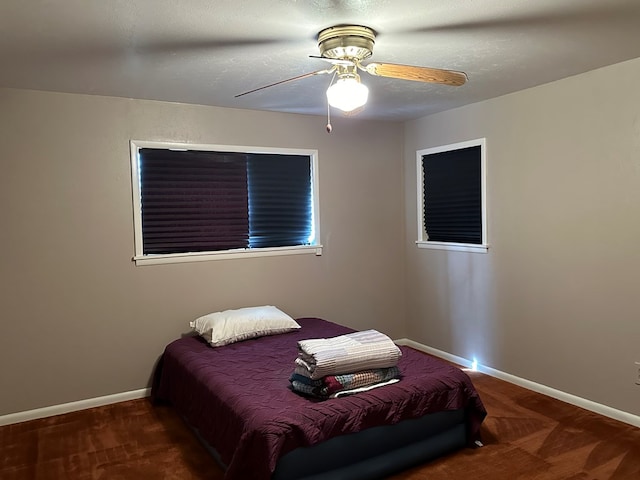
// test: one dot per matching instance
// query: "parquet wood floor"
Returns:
(526, 436)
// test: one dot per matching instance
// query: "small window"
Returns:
(209, 202)
(451, 197)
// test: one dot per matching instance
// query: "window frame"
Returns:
(423, 240)
(153, 259)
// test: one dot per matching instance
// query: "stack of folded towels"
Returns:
(351, 363)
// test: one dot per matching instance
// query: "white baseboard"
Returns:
(536, 387)
(73, 406)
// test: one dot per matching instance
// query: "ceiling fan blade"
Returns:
(207, 45)
(299, 77)
(418, 74)
(334, 61)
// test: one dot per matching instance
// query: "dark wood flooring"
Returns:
(526, 436)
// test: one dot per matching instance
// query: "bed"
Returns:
(238, 401)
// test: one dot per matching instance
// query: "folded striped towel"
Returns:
(331, 385)
(353, 352)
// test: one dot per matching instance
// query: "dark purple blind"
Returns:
(453, 195)
(280, 200)
(193, 201)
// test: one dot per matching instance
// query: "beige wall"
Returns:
(79, 320)
(557, 298)
(554, 301)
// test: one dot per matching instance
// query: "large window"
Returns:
(452, 198)
(202, 202)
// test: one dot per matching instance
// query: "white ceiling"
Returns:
(207, 51)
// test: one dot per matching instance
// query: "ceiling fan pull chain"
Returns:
(329, 127)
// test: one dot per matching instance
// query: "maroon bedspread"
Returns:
(239, 397)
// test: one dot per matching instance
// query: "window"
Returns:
(452, 198)
(204, 202)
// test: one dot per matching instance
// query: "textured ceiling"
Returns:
(205, 52)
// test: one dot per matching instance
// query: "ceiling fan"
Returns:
(346, 47)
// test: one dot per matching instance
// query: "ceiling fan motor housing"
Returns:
(346, 42)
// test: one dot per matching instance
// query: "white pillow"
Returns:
(229, 326)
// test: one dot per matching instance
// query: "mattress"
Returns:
(239, 399)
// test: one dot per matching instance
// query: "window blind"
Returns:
(280, 209)
(453, 195)
(197, 201)
(193, 201)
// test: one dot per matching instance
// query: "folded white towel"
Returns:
(353, 352)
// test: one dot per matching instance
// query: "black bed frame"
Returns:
(374, 453)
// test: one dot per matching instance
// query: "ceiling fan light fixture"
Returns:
(347, 93)
(345, 47)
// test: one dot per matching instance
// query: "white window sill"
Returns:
(456, 247)
(226, 255)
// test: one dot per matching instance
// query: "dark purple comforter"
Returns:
(239, 397)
